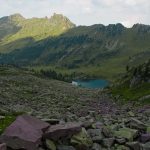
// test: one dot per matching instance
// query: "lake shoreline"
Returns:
(91, 83)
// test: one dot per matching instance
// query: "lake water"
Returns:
(96, 83)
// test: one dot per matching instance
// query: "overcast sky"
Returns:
(82, 12)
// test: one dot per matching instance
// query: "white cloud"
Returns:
(82, 12)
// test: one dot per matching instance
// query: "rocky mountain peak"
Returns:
(141, 28)
(56, 16)
(16, 17)
(115, 29)
(118, 26)
(57, 19)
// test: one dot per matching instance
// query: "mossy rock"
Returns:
(146, 146)
(121, 147)
(50, 144)
(131, 114)
(107, 131)
(126, 133)
(148, 129)
(82, 139)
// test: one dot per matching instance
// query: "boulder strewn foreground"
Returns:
(124, 130)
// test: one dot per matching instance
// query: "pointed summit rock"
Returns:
(59, 19)
(16, 17)
(141, 28)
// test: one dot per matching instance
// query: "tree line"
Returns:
(142, 71)
(52, 74)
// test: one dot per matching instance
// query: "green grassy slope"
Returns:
(134, 85)
(8, 25)
(35, 28)
(22, 91)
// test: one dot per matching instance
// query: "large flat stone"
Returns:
(34, 122)
(24, 133)
(56, 132)
(126, 133)
(3, 146)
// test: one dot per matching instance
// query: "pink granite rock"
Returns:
(24, 133)
(56, 132)
(145, 138)
(3, 146)
(34, 122)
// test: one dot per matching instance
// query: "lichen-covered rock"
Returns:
(87, 124)
(136, 124)
(133, 145)
(50, 144)
(82, 139)
(126, 133)
(96, 146)
(96, 135)
(121, 147)
(147, 110)
(107, 131)
(97, 139)
(65, 147)
(145, 146)
(97, 125)
(131, 114)
(148, 130)
(120, 140)
(108, 142)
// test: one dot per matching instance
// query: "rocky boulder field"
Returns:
(44, 114)
(22, 91)
(123, 130)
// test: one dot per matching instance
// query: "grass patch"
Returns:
(133, 94)
(8, 119)
(5, 122)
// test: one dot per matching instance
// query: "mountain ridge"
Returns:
(105, 50)
(37, 28)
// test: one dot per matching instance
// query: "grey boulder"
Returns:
(136, 124)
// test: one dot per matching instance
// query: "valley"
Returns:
(42, 60)
(77, 118)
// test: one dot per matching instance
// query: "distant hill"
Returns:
(56, 41)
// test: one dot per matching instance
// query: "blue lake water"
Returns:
(96, 83)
